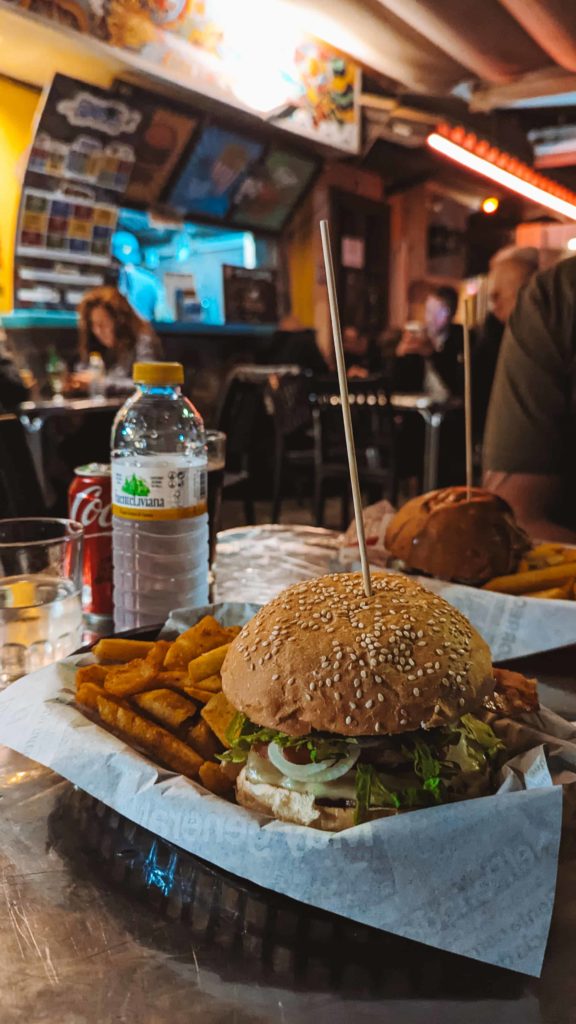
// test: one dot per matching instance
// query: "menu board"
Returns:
(215, 169)
(271, 190)
(65, 226)
(250, 296)
(163, 136)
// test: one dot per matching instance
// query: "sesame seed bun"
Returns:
(323, 656)
(456, 535)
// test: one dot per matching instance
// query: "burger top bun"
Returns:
(324, 656)
(456, 535)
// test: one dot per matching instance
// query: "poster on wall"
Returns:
(270, 192)
(251, 54)
(250, 296)
(216, 167)
(164, 133)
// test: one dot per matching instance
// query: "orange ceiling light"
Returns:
(480, 156)
(490, 204)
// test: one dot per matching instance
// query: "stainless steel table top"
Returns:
(77, 950)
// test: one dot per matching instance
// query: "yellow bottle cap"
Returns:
(158, 373)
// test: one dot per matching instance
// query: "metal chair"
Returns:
(374, 434)
(287, 400)
(20, 491)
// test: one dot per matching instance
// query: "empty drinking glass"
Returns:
(40, 584)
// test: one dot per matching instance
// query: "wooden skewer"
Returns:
(343, 384)
(468, 318)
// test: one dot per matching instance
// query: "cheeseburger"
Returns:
(465, 535)
(352, 708)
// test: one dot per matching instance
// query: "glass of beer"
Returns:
(40, 586)
(216, 451)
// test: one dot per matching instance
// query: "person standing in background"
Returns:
(510, 270)
(530, 436)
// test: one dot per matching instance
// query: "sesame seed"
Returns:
(380, 697)
(308, 697)
(461, 702)
(312, 686)
(348, 720)
(358, 694)
(416, 691)
(377, 727)
(275, 677)
(337, 696)
(328, 682)
(351, 704)
(369, 704)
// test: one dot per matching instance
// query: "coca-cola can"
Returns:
(90, 504)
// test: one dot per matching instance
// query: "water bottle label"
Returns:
(169, 488)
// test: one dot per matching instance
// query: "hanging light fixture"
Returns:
(480, 156)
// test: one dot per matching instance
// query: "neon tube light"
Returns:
(463, 155)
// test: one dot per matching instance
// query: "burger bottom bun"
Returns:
(297, 808)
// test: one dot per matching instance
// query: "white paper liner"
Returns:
(475, 878)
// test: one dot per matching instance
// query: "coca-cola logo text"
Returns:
(88, 508)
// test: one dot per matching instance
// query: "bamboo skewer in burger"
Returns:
(469, 303)
(343, 384)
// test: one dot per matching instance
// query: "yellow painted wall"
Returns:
(18, 105)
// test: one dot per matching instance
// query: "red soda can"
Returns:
(90, 504)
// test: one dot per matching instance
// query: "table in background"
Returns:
(76, 950)
(34, 415)
(433, 413)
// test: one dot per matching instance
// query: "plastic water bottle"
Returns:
(159, 516)
(97, 372)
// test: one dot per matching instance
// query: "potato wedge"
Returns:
(91, 674)
(118, 650)
(218, 713)
(197, 693)
(212, 778)
(166, 707)
(201, 737)
(208, 664)
(139, 674)
(87, 695)
(159, 744)
(211, 683)
(204, 636)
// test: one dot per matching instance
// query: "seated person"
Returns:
(430, 359)
(108, 325)
(531, 426)
(361, 353)
(13, 390)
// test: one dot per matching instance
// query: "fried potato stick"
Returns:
(218, 713)
(118, 650)
(204, 636)
(208, 664)
(212, 778)
(159, 744)
(201, 737)
(165, 706)
(137, 675)
(535, 579)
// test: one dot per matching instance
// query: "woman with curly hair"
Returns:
(108, 325)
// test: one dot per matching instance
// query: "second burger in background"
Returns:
(460, 534)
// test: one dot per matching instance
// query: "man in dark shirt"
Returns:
(12, 388)
(530, 440)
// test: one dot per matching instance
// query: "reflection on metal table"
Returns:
(82, 946)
